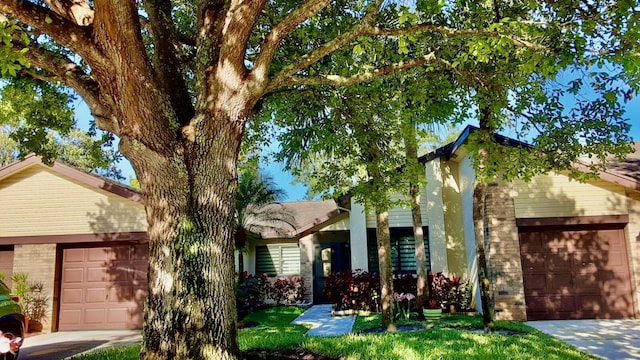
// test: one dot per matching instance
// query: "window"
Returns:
(403, 249)
(275, 260)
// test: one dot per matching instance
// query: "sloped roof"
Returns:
(306, 216)
(629, 167)
(625, 173)
(75, 173)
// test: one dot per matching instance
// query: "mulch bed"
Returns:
(284, 355)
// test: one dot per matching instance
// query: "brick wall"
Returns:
(504, 263)
(39, 262)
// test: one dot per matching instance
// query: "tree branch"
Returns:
(336, 43)
(166, 63)
(337, 80)
(66, 71)
(62, 31)
(451, 32)
(77, 11)
(365, 29)
(240, 20)
(279, 32)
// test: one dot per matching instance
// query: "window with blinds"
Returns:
(276, 260)
(403, 250)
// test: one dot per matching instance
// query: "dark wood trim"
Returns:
(132, 237)
(573, 220)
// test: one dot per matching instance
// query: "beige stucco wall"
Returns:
(39, 201)
(453, 219)
(435, 214)
(556, 195)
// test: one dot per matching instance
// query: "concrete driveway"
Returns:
(607, 339)
(61, 345)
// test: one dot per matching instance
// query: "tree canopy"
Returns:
(178, 83)
(37, 117)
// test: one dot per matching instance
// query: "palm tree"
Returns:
(258, 211)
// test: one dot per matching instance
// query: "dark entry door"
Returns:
(328, 258)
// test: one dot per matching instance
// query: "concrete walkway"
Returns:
(323, 324)
(607, 339)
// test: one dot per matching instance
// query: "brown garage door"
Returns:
(576, 273)
(103, 287)
(6, 263)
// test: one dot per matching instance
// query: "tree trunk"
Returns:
(386, 270)
(483, 270)
(190, 310)
(479, 214)
(411, 153)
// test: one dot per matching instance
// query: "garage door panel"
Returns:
(119, 315)
(72, 296)
(120, 294)
(73, 275)
(531, 242)
(95, 295)
(71, 317)
(533, 262)
(94, 316)
(558, 262)
(106, 290)
(563, 303)
(559, 284)
(536, 303)
(586, 284)
(98, 255)
(74, 256)
(538, 284)
(587, 273)
(96, 274)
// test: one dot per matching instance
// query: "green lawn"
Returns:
(452, 337)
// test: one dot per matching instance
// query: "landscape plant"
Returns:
(257, 291)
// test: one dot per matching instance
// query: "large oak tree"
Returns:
(178, 81)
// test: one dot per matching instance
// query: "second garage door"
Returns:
(576, 272)
(103, 287)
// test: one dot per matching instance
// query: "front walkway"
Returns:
(323, 324)
(607, 339)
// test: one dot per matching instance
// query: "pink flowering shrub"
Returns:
(286, 290)
(359, 290)
(256, 291)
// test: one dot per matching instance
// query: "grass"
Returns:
(452, 337)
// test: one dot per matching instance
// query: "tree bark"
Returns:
(411, 153)
(386, 270)
(190, 310)
(483, 270)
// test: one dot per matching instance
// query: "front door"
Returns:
(331, 257)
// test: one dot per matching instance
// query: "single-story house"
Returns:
(83, 237)
(556, 248)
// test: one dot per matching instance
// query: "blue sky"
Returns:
(298, 191)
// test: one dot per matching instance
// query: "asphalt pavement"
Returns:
(64, 344)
